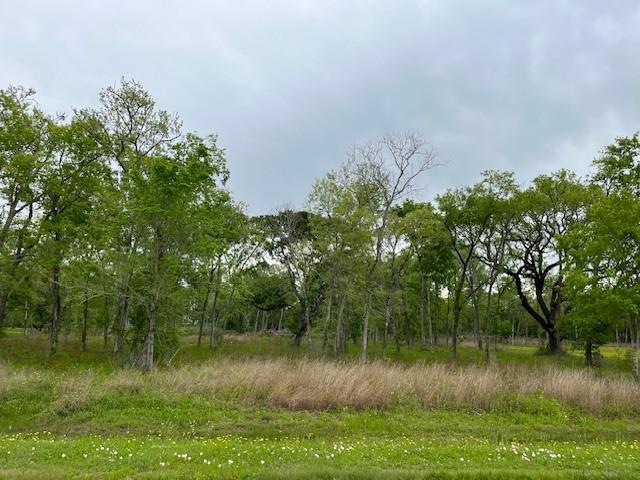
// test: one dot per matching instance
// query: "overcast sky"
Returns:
(289, 86)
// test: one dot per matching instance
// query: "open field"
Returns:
(260, 408)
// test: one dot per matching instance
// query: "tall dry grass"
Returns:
(12, 379)
(316, 385)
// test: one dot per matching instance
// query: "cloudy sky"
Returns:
(289, 86)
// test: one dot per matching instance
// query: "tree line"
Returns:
(116, 222)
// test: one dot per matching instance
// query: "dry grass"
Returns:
(12, 379)
(316, 385)
(125, 381)
(74, 392)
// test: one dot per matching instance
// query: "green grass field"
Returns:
(55, 424)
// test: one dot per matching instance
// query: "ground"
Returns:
(55, 424)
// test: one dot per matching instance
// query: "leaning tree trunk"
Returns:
(549, 318)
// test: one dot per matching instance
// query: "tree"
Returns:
(24, 149)
(289, 240)
(543, 213)
(340, 233)
(71, 185)
(466, 216)
(381, 175)
(172, 195)
(497, 190)
(605, 260)
(429, 240)
(130, 130)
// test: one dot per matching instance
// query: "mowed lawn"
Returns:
(82, 416)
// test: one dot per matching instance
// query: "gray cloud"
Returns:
(290, 85)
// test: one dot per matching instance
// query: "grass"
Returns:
(81, 415)
(233, 457)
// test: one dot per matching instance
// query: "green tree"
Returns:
(466, 216)
(605, 257)
(536, 261)
(24, 149)
(71, 184)
(171, 196)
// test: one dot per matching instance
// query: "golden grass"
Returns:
(125, 381)
(74, 392)
(316, 385)
(12, 379)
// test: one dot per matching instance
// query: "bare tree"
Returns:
(383, 173)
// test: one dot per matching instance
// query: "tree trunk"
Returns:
(553, 342)
(365, 327)
(488, 327)
(635, 340)
(26, 316)
(56, 309)
(396, 329)
(214, 317)
(85, 318)
(146, 362)
(4, 297)
(123, 321)
(588, 354)
(457, 309)
(214, 313)
(205, 304)
(223, 314)
(338, 341)
(407, 320)
(473, 295)
(423, 336)
(476, 320)
(307, 321)
(549, 318)
(385, 331)
(105, 330)
(302, 326)
(148, 349)
(325, 336)
(432, 340)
